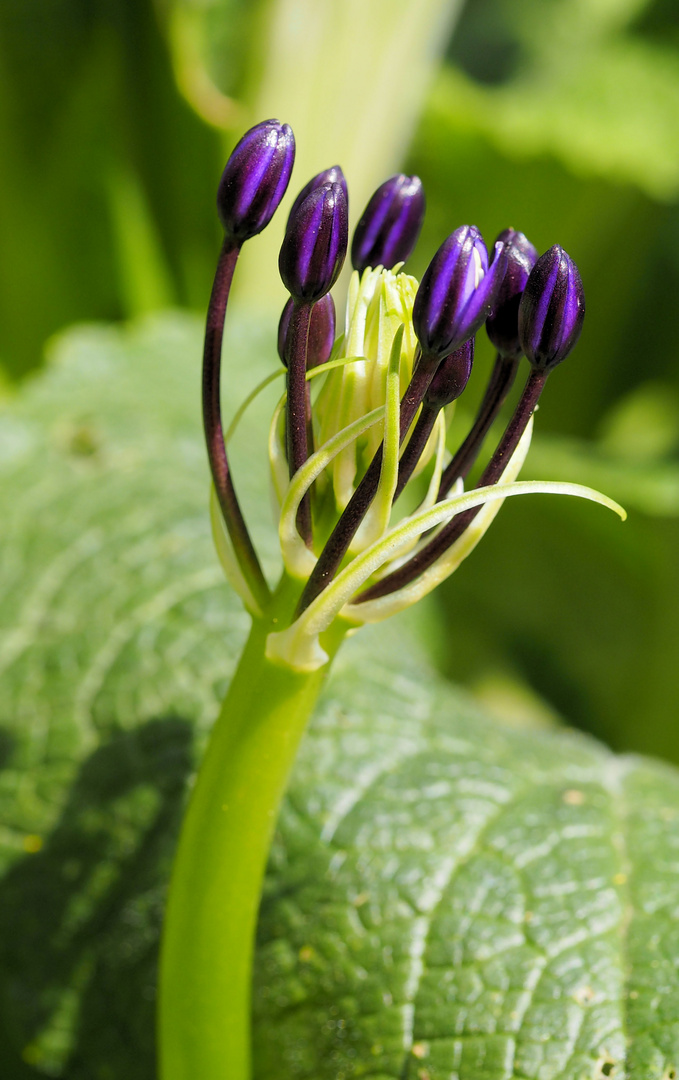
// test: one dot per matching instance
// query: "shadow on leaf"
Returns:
(83, 915)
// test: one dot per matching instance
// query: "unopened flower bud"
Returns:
(334, 175)
(552, 310)
(255, 179)
(321, 331)
(451, 377)
(390, 225)
(457, 292)
(315, 244)
(502, 326)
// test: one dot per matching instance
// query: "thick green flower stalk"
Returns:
(372, 515)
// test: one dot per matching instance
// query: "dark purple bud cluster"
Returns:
(531, 306)
(390, 224)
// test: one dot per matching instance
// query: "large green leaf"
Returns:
(446, 897)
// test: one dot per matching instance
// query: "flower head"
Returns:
(377, 428)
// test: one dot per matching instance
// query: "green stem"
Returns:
(208, 939)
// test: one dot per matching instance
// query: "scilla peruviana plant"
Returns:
(342, 457)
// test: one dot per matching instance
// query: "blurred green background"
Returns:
(559, 117)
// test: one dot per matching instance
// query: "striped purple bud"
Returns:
(315, 244)
(321, 331)
(451, 377)
(333, 175)
(255, 179)
(552, 310)
(502, 326)
(457, 292)
(390, 225)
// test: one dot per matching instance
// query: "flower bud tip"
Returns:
(390, 224)
(502, 326)
(315, 244)
(321, 331)
(255, 179)
(552, 310)
(333, 175)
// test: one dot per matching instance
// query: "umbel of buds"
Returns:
(340, 458)
(390, 224)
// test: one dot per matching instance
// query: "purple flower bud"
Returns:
(451, 377)
(552, 309)
(457, 292)
(255, 179)
(502, 326)
(321, 331)
(315, 244)
(390, 225)
(333, 175)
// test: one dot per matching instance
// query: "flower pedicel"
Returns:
(381, 415)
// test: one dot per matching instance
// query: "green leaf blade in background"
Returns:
(444, 893)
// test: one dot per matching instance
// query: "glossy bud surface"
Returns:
(502, 326)
(390, 224)
(255, 179)
(315, 244)
(457, 292)
(334, 175)
(552, 309)
(451, 377)
(321, 331)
